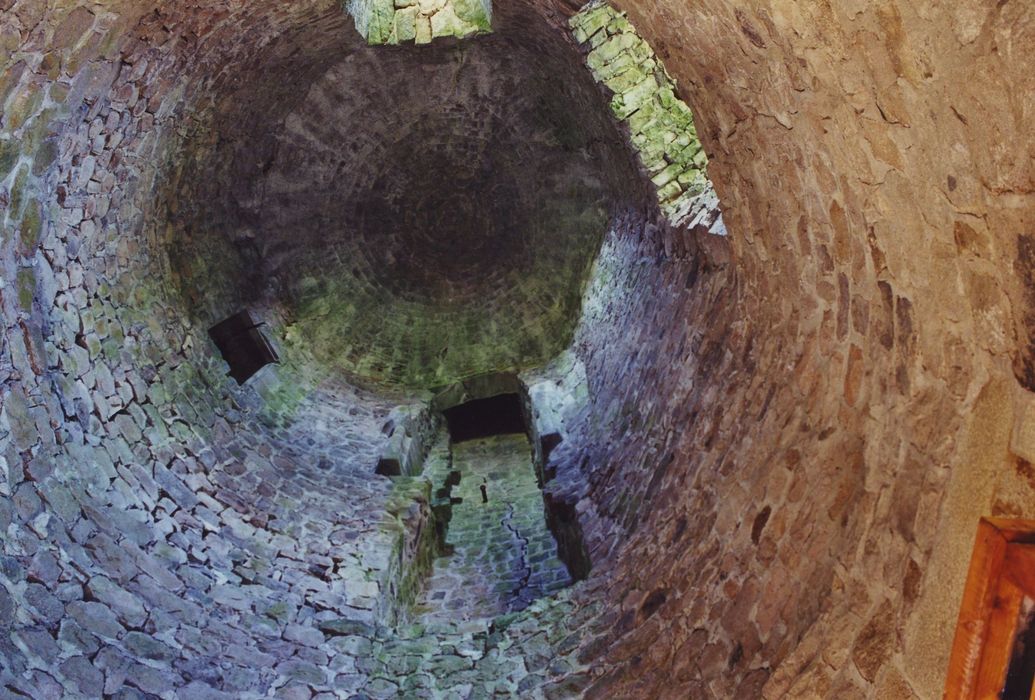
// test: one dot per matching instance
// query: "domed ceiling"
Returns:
(428, 213)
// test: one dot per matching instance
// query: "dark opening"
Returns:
(388, 466)
(1021, 673)
(242, 345)
(497, 415)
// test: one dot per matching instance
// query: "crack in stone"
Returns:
(523, 557)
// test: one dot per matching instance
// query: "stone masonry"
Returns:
(419, 21)
(660, 124)
(776, 444)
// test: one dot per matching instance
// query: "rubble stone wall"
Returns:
(788, 433)
(403, 21)
(661, 126)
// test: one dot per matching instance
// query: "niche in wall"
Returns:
(242, 345)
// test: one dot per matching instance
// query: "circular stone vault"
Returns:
(422, 213)
(774, 447)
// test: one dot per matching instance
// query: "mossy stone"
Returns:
(18, 190)
(26, 288)
(25, 105)
(406, 24)
(9, 79)
(46, 154)
(30, 231)
(382, 21)
(474, 12)
(9, 153)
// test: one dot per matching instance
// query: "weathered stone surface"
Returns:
(144, 646)
(95, 618)
(83, 675)
(644, 97)
(832, 360)
(397, 21)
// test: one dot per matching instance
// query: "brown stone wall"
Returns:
(874, 166)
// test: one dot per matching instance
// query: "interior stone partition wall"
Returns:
(788, 433)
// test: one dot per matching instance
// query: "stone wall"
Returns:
(162, 527)
(362, 213)
(847, 402)
(402, 21)
(645, 98)
(788, 434)
(167, 533)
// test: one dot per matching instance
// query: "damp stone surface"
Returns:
(762, 432)
(500, 554)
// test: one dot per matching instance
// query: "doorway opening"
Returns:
(496, 415)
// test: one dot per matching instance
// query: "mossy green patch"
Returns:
(26, 288)
(474, 12)
(660, 125)
(25, 105)
(382, 22)
(30, 230)
(9, 79)
(9, 153)
(18, 191)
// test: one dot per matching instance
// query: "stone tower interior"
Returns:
(559, 393)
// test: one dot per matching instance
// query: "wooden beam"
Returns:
(1002, 628)
(972, 628)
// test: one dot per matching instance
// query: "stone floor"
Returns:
(504, 557)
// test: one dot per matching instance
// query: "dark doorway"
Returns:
(496, 415)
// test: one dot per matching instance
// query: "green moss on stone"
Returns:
(25, 105)
(46, 154)
(30, 230)
(391, 22)
(474, 12)
(660, 124)
(18, 191)
(9, 152)
(406, 24)
(26, 288)
(381, 21)
(9, 79)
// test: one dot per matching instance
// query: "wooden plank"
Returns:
(972, 628)
(1002, 627)
(1015, 530)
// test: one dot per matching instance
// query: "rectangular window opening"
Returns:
(242, 345)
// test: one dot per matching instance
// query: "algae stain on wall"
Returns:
(661, 126)
(419, 21)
